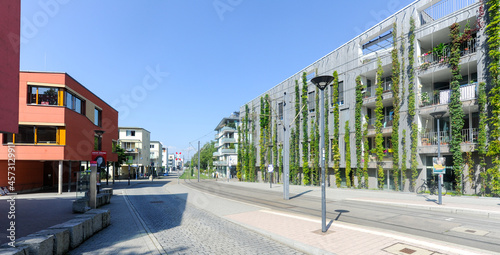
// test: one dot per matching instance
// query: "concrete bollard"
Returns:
(75, 229)
(37, 245)
(61, 239)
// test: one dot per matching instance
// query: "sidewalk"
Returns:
(304, 233)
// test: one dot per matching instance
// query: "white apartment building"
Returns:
(156, 156)
(226, 156)
(136, 143)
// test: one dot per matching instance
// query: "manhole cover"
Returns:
(156, 202)
(468, 230)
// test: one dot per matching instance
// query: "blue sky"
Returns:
(177, 67)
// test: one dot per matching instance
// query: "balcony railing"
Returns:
(386, 122)
(469, 135)
(432, 58)
(223, 151)
(443, 8)
(370, 91)
(467, 92)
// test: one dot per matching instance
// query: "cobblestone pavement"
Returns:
(181, 228)
(149, 220)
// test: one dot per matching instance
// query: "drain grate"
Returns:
(156, 202)
(408, 251)
(470, 231)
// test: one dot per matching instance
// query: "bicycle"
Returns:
(432, 187)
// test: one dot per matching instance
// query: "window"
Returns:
(384, 41)
(128, 146)
(280, 111)
(43, 95)
(341, 93)
(311, 101)
(26, 135)
(151, 146)
(130, 132)
(97, 117)
(46, 134)
(75, 103)
(37, 135)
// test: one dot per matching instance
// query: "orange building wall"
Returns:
(30, 177)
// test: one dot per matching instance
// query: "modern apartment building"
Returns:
(226, 141)
(156, 157)
(59, 122)
(10, 16)
(425, 80)
(136, 143)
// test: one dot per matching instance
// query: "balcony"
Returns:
(223, 131)
(386, 122)
(228, 151)
(441, 56)
(467, 92)
(469, 135)
(226, 140)
(132, 150)
(220, 163)
(442, 9)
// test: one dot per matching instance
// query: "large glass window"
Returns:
(26, 134)
(75, 103)
(311, 101)
(280, 111)
(46, 134)
(43, 95)
(130, 132)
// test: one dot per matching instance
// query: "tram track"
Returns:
(417, 222)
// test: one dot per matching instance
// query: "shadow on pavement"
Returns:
(340, 213)
(300, 194)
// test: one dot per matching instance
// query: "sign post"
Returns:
(270, 169)
(93, 185)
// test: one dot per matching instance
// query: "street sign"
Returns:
(270, 168)
(438, 166)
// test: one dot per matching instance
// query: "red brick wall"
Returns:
(10, 12)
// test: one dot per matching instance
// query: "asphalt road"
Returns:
(473, 231)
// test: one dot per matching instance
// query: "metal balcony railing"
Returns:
(386, 122)
(443, 8)
(469, 135)
(431, 58)
(467, 92)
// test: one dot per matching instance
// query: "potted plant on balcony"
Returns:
(425, 66)
(425, 98)
(436, 95)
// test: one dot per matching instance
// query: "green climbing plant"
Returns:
(365, 153)
(357, 128)
(379, 119)
(336, 119)
(305, 132)
(396, 73)
(411, 105)
(482, 138)
(347, 152)
(455, 107)
(493, 41)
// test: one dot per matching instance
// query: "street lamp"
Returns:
(321, 82)
(439, 115)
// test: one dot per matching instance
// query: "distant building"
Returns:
(156, 152)
(58, 120)
(226, 142)
(10, 13)
(136, 143)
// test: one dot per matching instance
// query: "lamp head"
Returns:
(322, 81)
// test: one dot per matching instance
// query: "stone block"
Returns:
(61, 239)
(37, 245)
(81, 205)
(104, 214)
(18, 250)
(75, 229)
(96, 221)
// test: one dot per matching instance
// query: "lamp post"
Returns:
(321, 82)
(439, 115)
